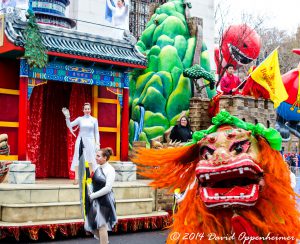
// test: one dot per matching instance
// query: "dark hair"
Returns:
(228, 66)
(86, 104)
(187, 119)
(106, 152)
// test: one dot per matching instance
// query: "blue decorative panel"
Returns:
(63, 72)
(59, 71)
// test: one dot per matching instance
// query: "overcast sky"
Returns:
(285, 15)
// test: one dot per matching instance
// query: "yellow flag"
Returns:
(267, 74)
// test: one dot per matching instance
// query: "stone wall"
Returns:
(164, 200)
(246, 108)
(198, 113)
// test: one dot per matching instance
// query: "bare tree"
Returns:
(272, 38)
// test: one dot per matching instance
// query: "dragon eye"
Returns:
(240, 146)
(245, 45)
(206, 152)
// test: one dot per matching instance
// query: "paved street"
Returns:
(153, 237)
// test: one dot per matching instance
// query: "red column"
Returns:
(125, 126)
(23, 111)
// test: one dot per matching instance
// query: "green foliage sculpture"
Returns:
(35, 51)
(159, 94)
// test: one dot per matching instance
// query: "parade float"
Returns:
(180, 82)
(232, 170)
(46, 65)
(176, 80)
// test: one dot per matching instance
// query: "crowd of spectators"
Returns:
(293, 159)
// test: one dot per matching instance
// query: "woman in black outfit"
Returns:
(181, 132)
(100, 208)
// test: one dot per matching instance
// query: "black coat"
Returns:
(180, 133)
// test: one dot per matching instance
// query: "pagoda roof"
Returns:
(72, 42)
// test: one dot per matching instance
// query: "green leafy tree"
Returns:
(35, 51)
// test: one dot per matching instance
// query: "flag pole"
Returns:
(243, 82)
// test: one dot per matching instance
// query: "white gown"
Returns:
(88, 132)
(120, 16)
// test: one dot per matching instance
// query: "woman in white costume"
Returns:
(88, 132)
(120, 13)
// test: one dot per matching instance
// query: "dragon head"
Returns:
(228, 171)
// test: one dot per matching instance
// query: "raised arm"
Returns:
(70, 125)
(110, 6)
(73, 123)
(110, 178)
